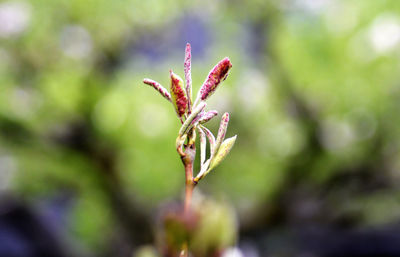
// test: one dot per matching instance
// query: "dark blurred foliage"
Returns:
(87, 151)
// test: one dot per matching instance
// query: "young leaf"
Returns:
(188, 124)
(214, 78)
(157, 86)
(203, 145)
(223, 151)
(203, 171)
(188, 74)
(210, 137)
(223, 126)
(207, 116)
(178, 94)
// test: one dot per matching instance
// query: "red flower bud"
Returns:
(178, 95)
(215, 77)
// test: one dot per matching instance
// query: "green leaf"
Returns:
(223, 151)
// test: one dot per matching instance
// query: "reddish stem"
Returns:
(189, 187)
(188, 200)
(188, 159)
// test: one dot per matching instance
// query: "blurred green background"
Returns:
(313, 94)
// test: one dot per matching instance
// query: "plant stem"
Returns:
(189, 187)
(188, 200)
(188, 160)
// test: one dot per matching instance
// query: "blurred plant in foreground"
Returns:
(193, 117)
